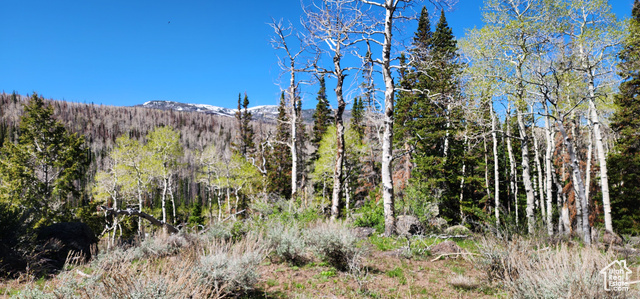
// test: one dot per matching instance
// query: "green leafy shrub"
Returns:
(371, 215)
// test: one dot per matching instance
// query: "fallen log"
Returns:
(133, 212)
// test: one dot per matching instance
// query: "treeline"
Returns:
(102, 125)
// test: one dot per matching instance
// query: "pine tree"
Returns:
(246, 144)
(321, 117)
(357, 117)
(279, 165)
(429, 116)
(624, 161)
(41, 170)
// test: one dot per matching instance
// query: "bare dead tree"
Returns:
(288, 63)
(333, 25)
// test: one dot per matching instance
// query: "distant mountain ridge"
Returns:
(264, 112)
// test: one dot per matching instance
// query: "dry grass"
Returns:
(530, 270)
(463, 282)
(173, 267)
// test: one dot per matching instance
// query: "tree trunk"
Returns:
(387, 137)
(131, 212)
(464, 169)
(164, 197)
(526, 173)
(294, 135)
(512, 166)
(602, 159)
(496, 170)
(337, 170)
(541, 202)
(173, 201)
(549, 171)
(578, 184)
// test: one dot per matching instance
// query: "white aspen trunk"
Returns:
(164, 209)
(549, 171)
(496, 170)
(347, 198)
(294, 135)
(446, 135)
(486, 168)
(464, 169)
(173, 202)
(574, 179)
(512, 165)
(387, 137)
(526, 173)
(602, 156)
(338, 167)
(219, 205)
(539, 172)
(577, 184)
(229, 200)
(587, 183)
(602, 159)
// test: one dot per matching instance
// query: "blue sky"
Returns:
(126, 52)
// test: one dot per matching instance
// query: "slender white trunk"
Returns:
(587, 183)
(340, 147)
(574, 179)
(512, 165)
(536, 149)
(549, 171)
(164, 200)
(602, 159)
(526, 174)
(464, 169)
(387, 136)
(293, 147)
(173, 201)
(446, 135)
(496, 170)
(602, 155)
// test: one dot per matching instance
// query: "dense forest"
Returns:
(528, 125)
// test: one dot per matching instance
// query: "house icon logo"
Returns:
(616, 276)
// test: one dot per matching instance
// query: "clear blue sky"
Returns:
(128, 52)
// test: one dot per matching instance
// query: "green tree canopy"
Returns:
(41, 170)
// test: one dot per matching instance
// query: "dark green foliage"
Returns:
(371, 215)
(195, 216)
(40, 172)
(322, 116)
(279, 161)
(357, 117)
(16, 239)
(422, 39)
(246, 145)
(624, 161)
(427, 118)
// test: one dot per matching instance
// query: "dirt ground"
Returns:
(385, 275)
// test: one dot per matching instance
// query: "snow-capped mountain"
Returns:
(265, 112)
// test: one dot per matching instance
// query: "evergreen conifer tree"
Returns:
(246, 144)
(40, 171)
(624, 161)
(279, 164)
(357, 117)
(322, 116)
